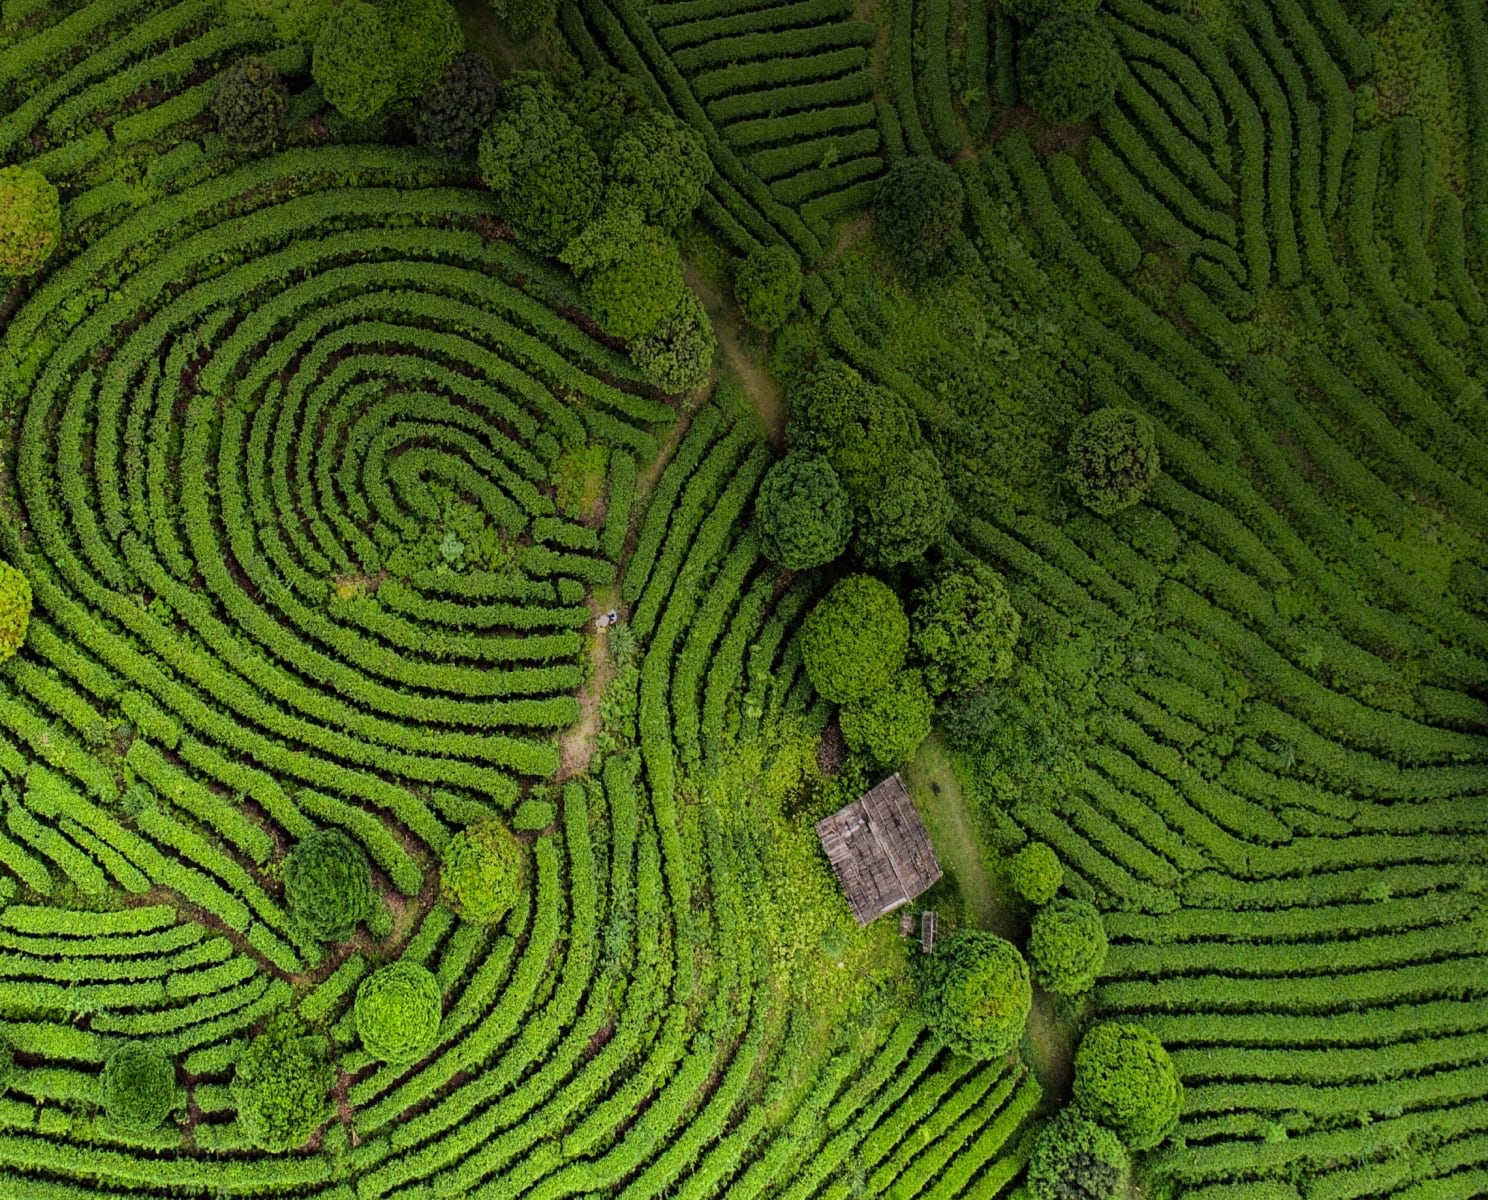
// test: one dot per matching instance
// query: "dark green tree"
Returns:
(1076, 1159)
(30, 221)
(1035, 873)
(917, 214)
(1113, 459)
(855, 639)
(452, 112)
(1068, 68)
(767, 285)
(1125, 1080)
(15, 610)
(888, 726)
(1067, 946)
(855, 425)
(1031, 12)
(976, 993)
(963, 628)
(397, 1012)
(482, 873)
(802, 513)
(677, 356)
(138, 1090)
(659, 166)
(328, 885)
(603, 104)
(250, 103)
(907, 512)
(354, 60)
(281, 1086)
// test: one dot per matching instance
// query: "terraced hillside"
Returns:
(288, 443)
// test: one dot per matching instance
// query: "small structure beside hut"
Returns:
(879, 849)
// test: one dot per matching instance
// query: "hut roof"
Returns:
(879, 849)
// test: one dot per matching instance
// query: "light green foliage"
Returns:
(1113, 459)
(631, 296)
(30, 220)
(677, 356)
(977, 993)
(293, 20)
(398, 1012)
(917, 214)
(659, 166)
(1076, 1159)
(138, 1090)
(1125, 1080)
(328, 885)
(250, 102)
(1035, 873)
(483, 872)
(15, 610)
(1067, 69)
(426, 37)
(855, 639)
(355, 62)
(1067, 946)
(889, 725)
(963, 628)
(802, 513)
(533, 816)
(280, 1086)
(767, 285)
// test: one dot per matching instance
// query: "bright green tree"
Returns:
(1113, 459)
(138, 1090)
(659, 166)
(767, 285)
(397, 1012)
(328, 884)
(917, 214)
(30, 220)
(977, 993)
(963, 628)
(482, 872)
(802, 513)
(1067, 946)
(354, 61)
(426, 37)
(1125, 1080)
(1035, 873)
(15, 610)
(632, 296)
(855, 639)
(1068, 68)
(281, 1084)
(888, 726)
(1076, 1159)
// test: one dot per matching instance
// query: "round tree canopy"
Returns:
(15, 610)
(855, 639)
(1125, 1080)
(889, 725)
(453, 111)
(855, 425)
(978, 993)
(1068, 68)
(1067, 946)
(354, 61)
(482, 872)
(250, 102)
(802, 513)
(677, 356)
(917, 213)
(139, 1088)
(398, 1012)
(280, 1087)
(1113, 459)
(1035, 873)
(767, 285)
(964, 628)
(30, 220)
(1076, 1159)
(908, 510)
(328, 884)
(659, 166)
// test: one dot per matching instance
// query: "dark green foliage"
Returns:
(907, 512)
(855, 425)
(1113, 459)
(398, 1012)
(802, 513)
(426, 36)
(250, 102)
(1067, 946)
(354, 60)
(280, 1086)
(603, 104)
(767, 285)
(677, 356)
(328, 885)
(855, 639)
(138, 1090)
(1031, 12)
(482, 872)
(977, 993)
(526, 17)
(452, 112)
(1076, 1159)
(1125, 1080)
(1035, 873)
(543, 173)
(631, 296)
(963, 628)
(30, 220)
(15, 610)
(660, 167)
(1067, 68)
(917, 214)
(889, 725)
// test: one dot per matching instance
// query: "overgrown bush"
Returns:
(917, 214)
(1113, 459)
(677, 356)
(455, 109)
(482, 872)
(963, 628)
(526, 17)
(397, 1012)
(328, 885)
(889, 725)
(30, 220)
(802, 513)
(281, 1086)
(426, 36)
(1068, 68)
(250, 102)
(660, 167)
(15, 610)
(1125, 1080)
(631, 296)
(977, 993)
(855, 639)
(1076, 1159)
(767, 285)
(1067, 946)
(138, 1090)
(1035, 873)
(907, 512)
(354, 60)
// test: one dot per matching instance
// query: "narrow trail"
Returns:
(576, 746)
(763, 392)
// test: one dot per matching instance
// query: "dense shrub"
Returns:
(977, 993)
(354, 60)
(1031, 12)
(250, 102)
(767, 285)
(917, 214)
(280, 1086)
(677, 356)
(1067, 946)
(328, 885)
(855, 425)
(293, 20)
(138, 1090)
(603, 105)
(1035, 873)
(426, 37)
(660, 167)
(526, 17)
(889, 725)
(15, 610)
(398, 1012)
(454, 110)
(482, 872)
(543, 173)
(855, 639)
(964, 628)
(907, 512)
(1125, 1080)
(802, 513)
(1113, 459)
(631, 296)
(1076, 1159)
(1067, 68)
(30, 220)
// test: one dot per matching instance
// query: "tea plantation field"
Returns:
(480, 480)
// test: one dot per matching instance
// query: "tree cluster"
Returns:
(1068, 67)
(482, 872)
(328, 885)
(397, 1012)
(369, 56)
(1076, 1159)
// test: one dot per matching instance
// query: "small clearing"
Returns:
(761, 389)
(576, 747)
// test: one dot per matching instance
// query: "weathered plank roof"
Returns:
(879, 849)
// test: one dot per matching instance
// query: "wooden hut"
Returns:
(879, 849)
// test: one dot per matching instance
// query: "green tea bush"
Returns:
(767, 285)
(250, 103)
(138, 1090)
(483, 872)
(802, 513)
(454, 110)
(1113, 459)
(855, 640)
(1067, 68)
(977, 993)
(30, 220)
(889, 725)
(293, 20)
(1067, 946)
(281, 1086)
(398, 1012)
(917, 213)
(1125, 1080)
(660, 167)
(355, 60)
(15, 610)
(963, 628)
(328, 885)
(1035, 873)
(1075, 1159)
